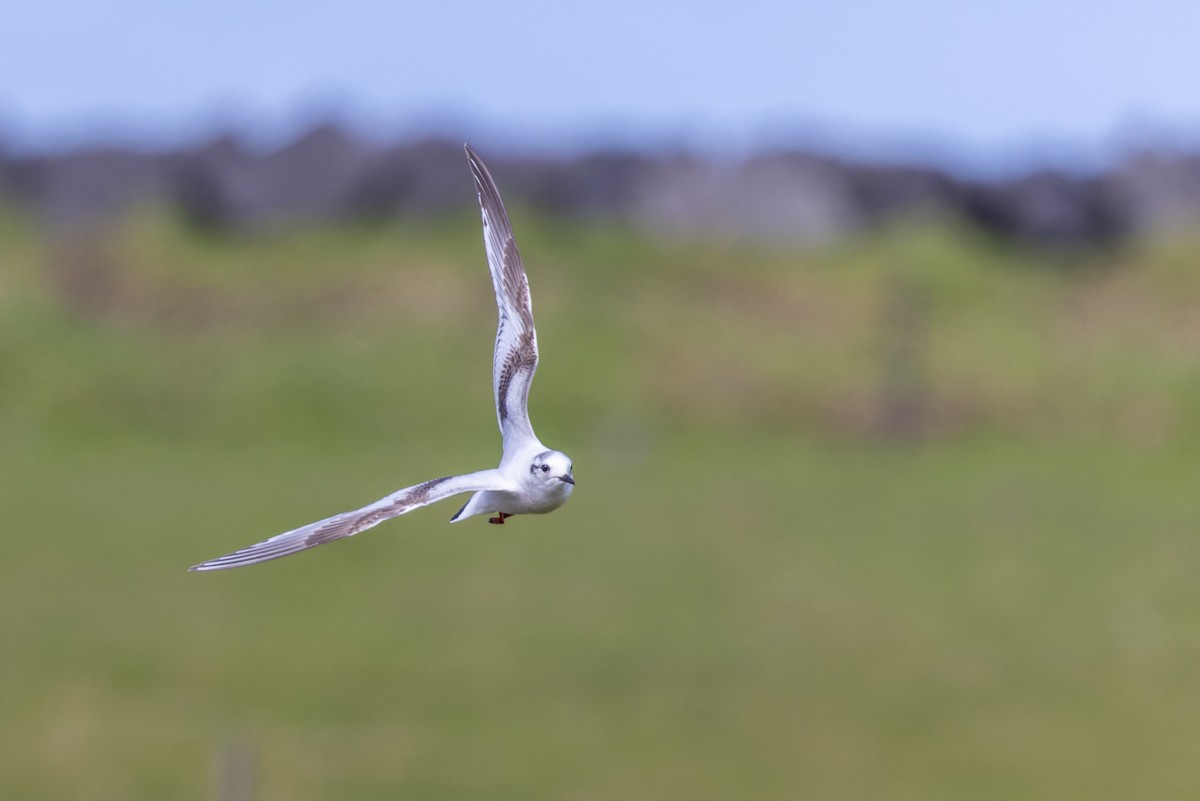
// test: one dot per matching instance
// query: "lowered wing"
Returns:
(348, 524)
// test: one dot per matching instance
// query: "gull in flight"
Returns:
(531, 478)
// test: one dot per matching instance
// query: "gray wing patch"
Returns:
(516, 283)
(348, 525)
(519, 363)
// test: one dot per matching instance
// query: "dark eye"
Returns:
(545, 468)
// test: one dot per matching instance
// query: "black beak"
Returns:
(567, 479)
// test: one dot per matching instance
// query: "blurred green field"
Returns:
(909, 517)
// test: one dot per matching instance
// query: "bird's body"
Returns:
(529, 492)
(531, 478)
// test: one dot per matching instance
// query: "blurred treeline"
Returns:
(331, 173)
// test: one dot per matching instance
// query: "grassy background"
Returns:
(760, 590)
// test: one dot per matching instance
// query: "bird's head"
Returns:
(552, 469)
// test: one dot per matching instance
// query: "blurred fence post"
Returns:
(903, 401)
(235, 763)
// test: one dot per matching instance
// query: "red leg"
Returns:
(499, 519)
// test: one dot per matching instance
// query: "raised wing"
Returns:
(515, 358)
(348, 524)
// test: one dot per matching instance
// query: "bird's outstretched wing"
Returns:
(516, 355)
(348, 524)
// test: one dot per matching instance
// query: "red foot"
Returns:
(499, 520)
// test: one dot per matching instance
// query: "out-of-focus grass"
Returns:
(754, 593)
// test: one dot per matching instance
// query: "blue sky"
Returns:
(980, 80)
